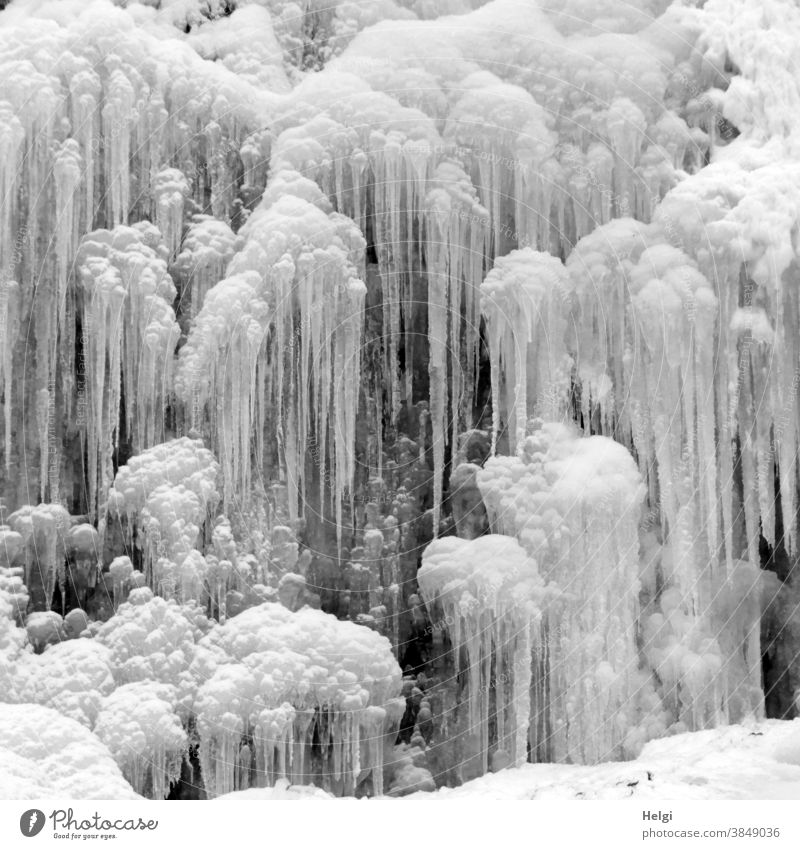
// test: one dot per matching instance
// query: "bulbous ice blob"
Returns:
(284, 677)
(151, 639)
(138, 724)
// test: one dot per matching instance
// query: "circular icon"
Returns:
(31, 822)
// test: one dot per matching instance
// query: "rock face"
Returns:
(469, 346)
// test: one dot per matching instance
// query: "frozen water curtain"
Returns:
(386, 399)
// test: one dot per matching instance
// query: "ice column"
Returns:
(574, 504)
(489, 593)
(524, 300)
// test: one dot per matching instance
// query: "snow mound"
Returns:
(283, 791)
(46, 755)
(734, 762)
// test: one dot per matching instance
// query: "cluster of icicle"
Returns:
(102, 120)
(490, 595)
(523, 303)
(166, 494)
(442, 162)
(129, 335)
(272, 694)
(274, 681)
(278, 342)
(512, 134)
(37, 535)
(681, 340)
(574, 504)
(207, 247)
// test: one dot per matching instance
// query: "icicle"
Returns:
(9, 329)
(120, 570)
(138, 725)
(118, 114)
(455, 224)
(43, 529)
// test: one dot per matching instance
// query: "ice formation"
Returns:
(139, 727)
(522, 301)
(129, 334)
(295, 284)
(207, 248)
(72, 677)
(490, 592)
(282, 288)
(274, 681)
(166, 494)
(40, 548)
(153, 640)
(571, 501)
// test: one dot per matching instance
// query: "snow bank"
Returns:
(282, 791)
(736, 762)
